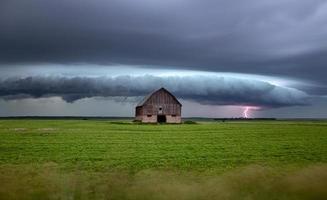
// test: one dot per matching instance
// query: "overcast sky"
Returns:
(99, 57)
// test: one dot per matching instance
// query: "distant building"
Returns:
(159, 106)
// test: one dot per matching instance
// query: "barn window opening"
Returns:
(173, 115)
(149, 115)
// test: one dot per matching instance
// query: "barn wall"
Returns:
(153, 119)
(166, 101)
(167, 109)
(149, 119)
(173, 119)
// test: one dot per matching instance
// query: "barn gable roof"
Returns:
(146, 98)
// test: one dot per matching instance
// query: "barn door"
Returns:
(161, 119)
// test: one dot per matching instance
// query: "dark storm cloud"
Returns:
(280, 37)
(208, 90)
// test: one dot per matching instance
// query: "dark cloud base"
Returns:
(208, 90)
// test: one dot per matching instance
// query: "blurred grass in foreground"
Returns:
(251, 182)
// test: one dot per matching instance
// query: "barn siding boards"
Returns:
(173, 119)
(160, 102)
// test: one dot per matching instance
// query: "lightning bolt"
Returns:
(247, 109)
(245, 112)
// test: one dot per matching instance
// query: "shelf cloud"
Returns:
(273, 38)
(207, 90)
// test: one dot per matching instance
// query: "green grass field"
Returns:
(90, 159)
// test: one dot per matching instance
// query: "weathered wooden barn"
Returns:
(159, 106)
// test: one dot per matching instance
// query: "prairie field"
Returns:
(105, 159)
